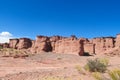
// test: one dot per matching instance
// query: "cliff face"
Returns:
(13, 43)
(103, 44)
(41, 44)
(65, 45)
(69, 45)
(117, 40)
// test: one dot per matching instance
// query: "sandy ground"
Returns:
(38, 66)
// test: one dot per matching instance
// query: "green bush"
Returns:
(95, 66)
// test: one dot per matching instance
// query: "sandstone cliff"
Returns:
(65, 45)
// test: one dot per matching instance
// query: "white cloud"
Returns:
(5, 36)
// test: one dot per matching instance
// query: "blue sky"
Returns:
(83, 18)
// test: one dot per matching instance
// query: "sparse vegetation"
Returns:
(80, 69)
(10, 52)
(86, 67)
(114, 74)
(56, 78)
(95, 68)
(96, 65)
(105, 61)
(97, 76)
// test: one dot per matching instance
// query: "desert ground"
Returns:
(50, 66)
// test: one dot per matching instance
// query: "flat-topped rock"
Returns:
(65, 45)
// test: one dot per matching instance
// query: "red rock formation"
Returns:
(13, 43)
(42, 44)
(89, 48)
(117, 44)
(24, 43)
(103, 44)
(32, 49)
(69, 46)
(66, 45)
(6, 45)
(53, 41)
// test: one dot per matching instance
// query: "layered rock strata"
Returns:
(65, 45)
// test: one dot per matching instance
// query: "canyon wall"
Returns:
(65, 45)
(69, 45)
(117, 40)
(102, 44)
